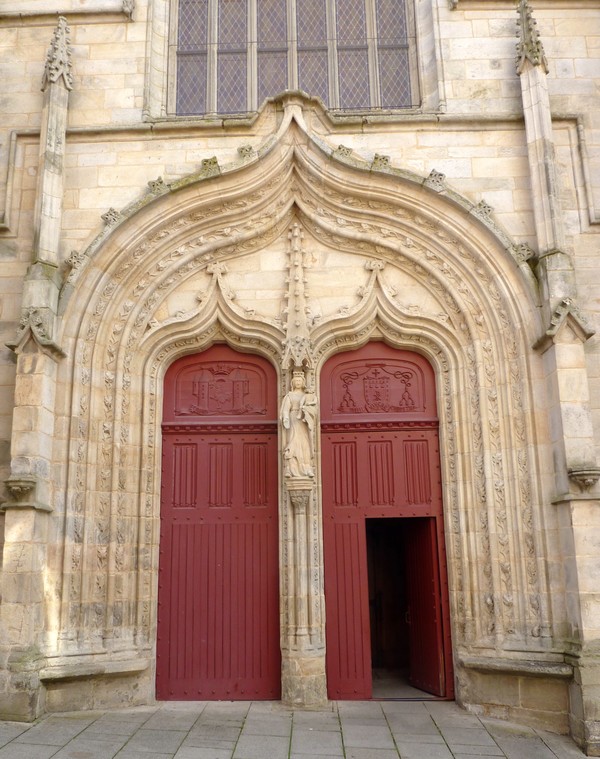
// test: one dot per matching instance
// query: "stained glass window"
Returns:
(354, 55)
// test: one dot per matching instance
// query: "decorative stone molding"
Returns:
(210, 167)
(381, 162)
(111, 217)
(297, 344)
(343, 152)
(58, 61)
(246, 151)
(36, 326)
(483, 211)
(158, 186)
(529, 45)
(436, 181)
(585, 478)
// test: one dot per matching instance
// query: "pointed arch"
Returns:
(122, 325)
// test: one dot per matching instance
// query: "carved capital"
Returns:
(300, 500)
(58, 61)
(529, 45)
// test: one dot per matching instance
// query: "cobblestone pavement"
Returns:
(268, 730)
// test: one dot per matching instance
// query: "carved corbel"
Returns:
(22, 494)
(35, 328)
(586, 477)
(566, 313)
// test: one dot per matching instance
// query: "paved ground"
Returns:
(264, 730)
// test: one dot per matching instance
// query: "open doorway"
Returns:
(404, 609)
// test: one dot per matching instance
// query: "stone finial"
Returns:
(529, 45)
(58, 61)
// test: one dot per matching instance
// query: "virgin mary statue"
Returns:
(298, 415)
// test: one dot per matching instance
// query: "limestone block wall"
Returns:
(468, 138)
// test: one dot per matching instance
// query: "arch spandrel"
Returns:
(134, 308)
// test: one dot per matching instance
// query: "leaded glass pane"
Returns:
(233, 24)
(193, 24)
(272, 74)
(272, 24)
(351, 22)
(311, 23)
(394, 77)
(391, 21)
(231, 82)
(354, 78)
(191, 84)
(313, 75)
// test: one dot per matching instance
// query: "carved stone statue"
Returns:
(298, 414)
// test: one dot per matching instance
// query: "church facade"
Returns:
(301, 385)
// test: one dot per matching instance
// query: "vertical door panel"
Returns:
(427, 671)
(218, 616)
(348, 633)
(380, 459)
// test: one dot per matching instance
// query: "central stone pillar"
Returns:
(303, 680)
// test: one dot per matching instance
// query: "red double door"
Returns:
(218, 596)
(385, 571)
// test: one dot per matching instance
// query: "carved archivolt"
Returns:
(121, 330)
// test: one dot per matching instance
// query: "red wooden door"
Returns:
(380, 459)
(218, 599)
(426, 663)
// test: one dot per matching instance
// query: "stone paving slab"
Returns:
(269, 730)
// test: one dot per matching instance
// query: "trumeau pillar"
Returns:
(562, 346)
(303, 631)
(22, 610)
